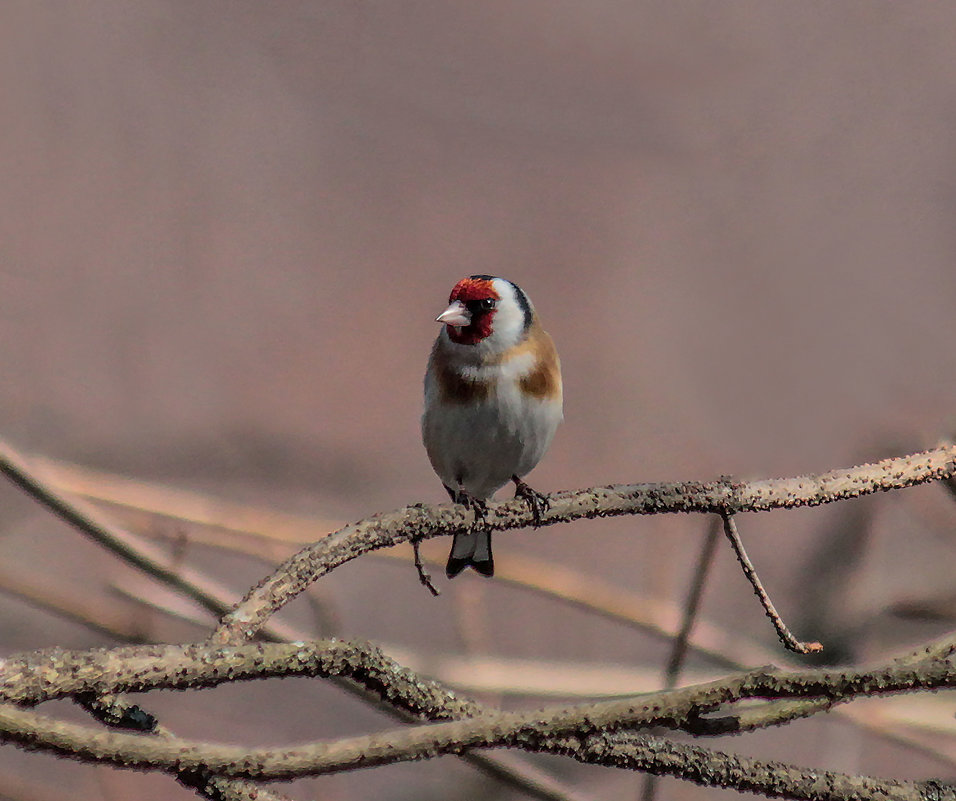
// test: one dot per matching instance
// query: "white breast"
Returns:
(480, 446)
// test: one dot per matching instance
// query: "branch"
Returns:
(115, 710)
(153, 562)
(710, 768)
(584, 732)
(646, 753)
(784, 710)
(42, 676)
(553, 730)
(722, 497)
(271, 536)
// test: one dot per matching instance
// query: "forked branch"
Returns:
(720, 497)
(607, 733)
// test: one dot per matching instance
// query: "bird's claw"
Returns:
(537, 502)
(479, 506)
(481, 511)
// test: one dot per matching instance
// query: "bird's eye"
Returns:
(481, 305)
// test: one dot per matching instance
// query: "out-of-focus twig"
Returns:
(102, 618)
(17, 788)
(186, 505)
(86, 520)
(692, 604)
(691, 607)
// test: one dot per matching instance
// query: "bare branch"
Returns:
(584, 733)
(44, 675)
(116, 710)
(153, 562)
(718, 497)
(711, 768)
(592, 733)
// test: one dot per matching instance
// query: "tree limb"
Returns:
(43, 676)
(646, 753)
(596, 733)
(721, 497)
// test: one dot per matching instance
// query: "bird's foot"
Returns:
(537, 502)
(479, 505)
(480, 509)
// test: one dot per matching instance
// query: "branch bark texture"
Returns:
(609, 732)
(583, 732)
(724, 497)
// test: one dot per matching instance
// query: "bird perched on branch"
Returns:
(492, 404)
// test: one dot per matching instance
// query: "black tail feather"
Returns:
(471, 549)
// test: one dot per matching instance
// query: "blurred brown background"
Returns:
(226, 228)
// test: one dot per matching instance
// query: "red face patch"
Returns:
(472, 292)
(469, 289)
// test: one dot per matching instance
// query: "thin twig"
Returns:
(423, 575)
(789, 641)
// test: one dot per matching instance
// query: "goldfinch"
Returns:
(492, 404)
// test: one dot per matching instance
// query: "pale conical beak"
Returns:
(456, 314)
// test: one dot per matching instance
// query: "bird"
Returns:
(493, 401)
